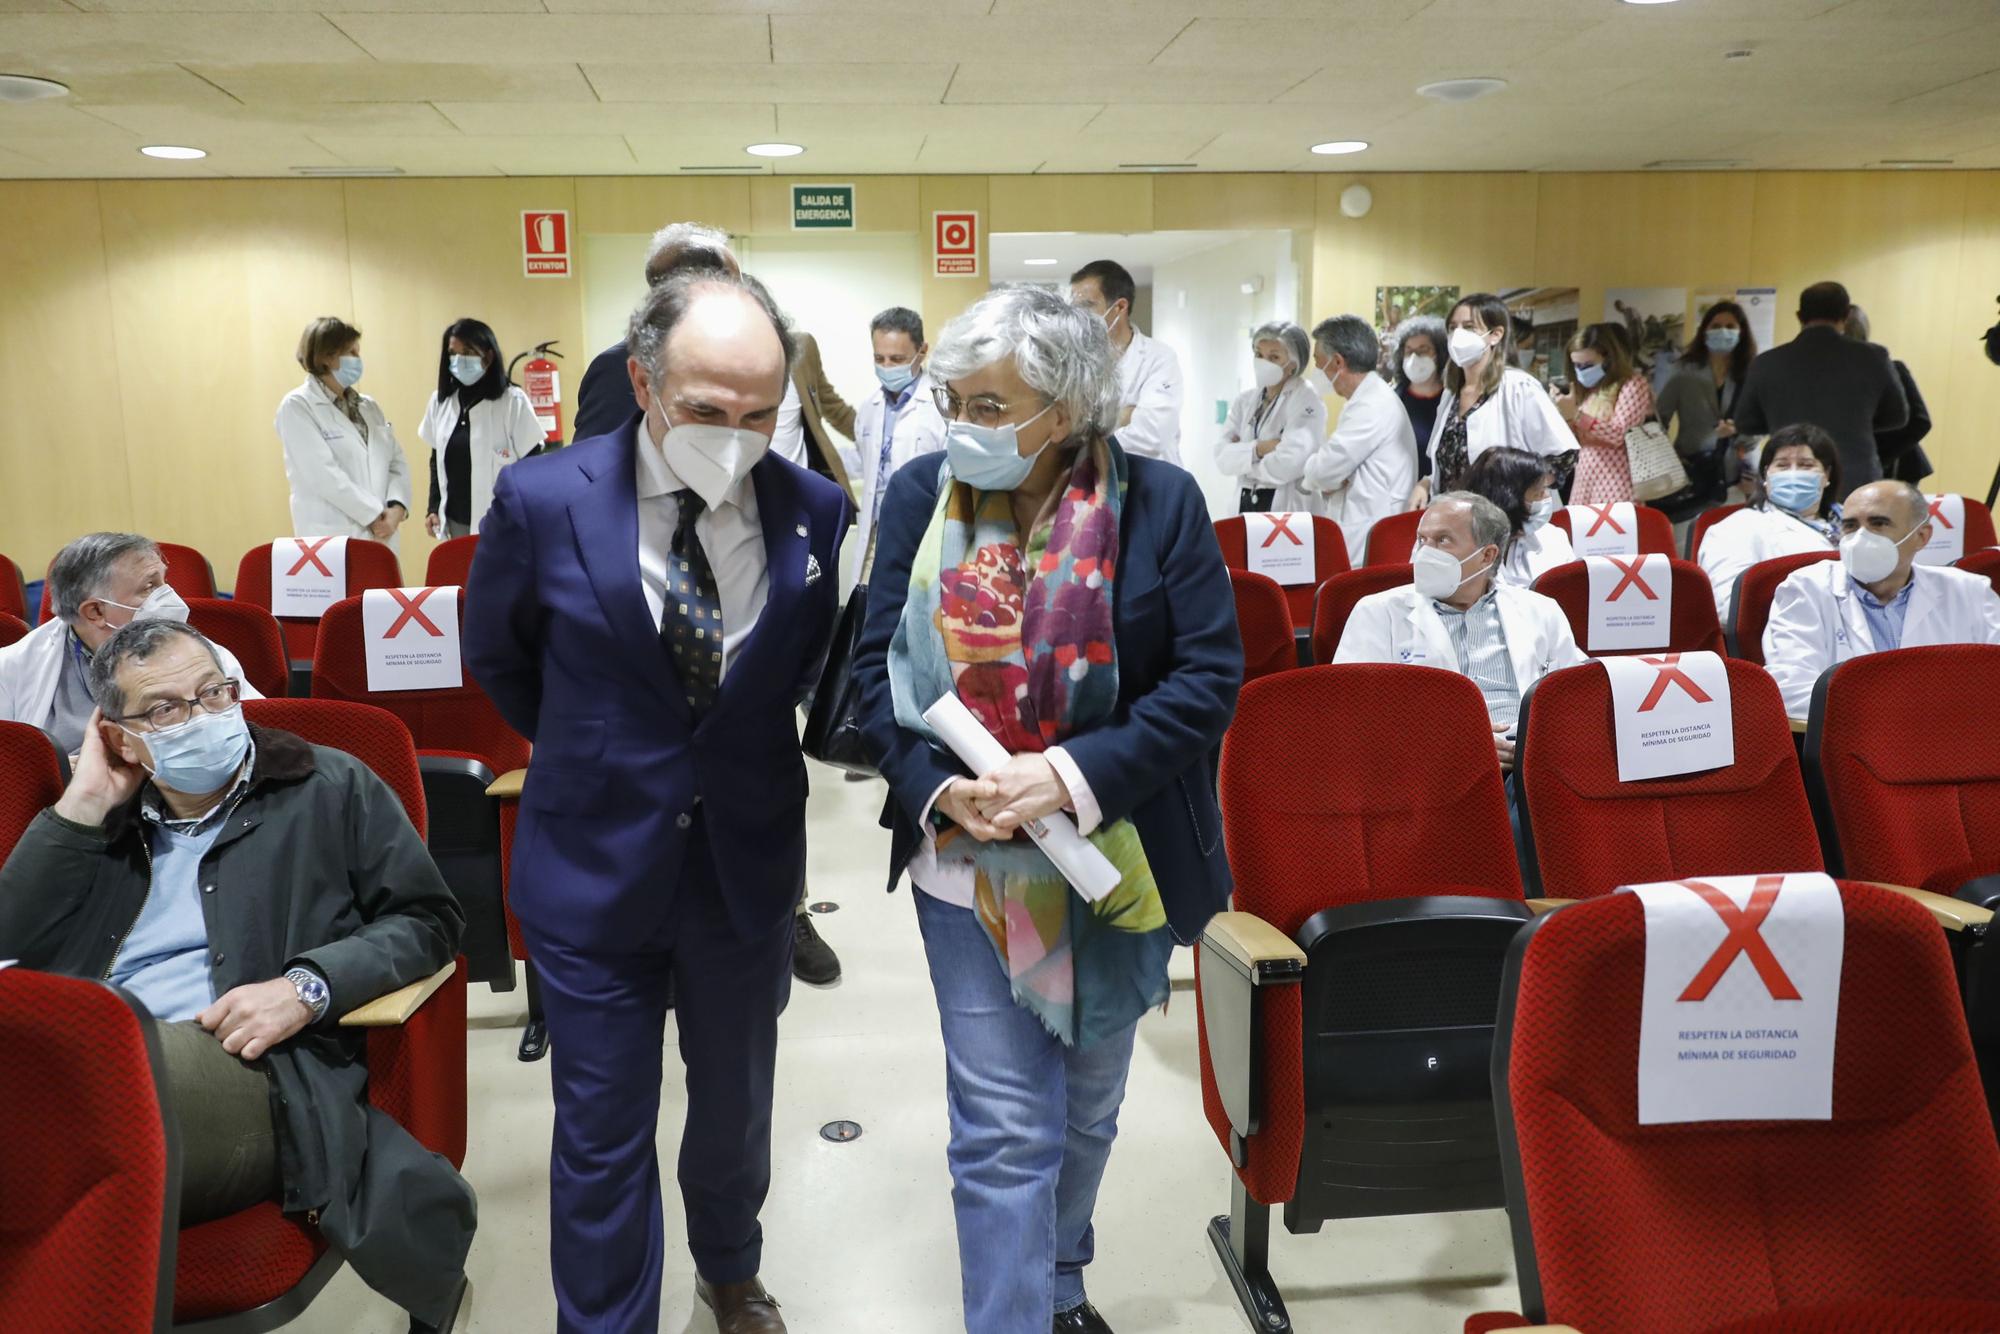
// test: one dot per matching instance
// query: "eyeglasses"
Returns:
(171, 713)
(982, 410)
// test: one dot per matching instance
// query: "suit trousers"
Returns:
(229, 1149)
(607, 1015)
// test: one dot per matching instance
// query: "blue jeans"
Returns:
(1031, 1129)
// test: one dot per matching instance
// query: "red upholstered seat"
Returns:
(450, 562)
(1755, 588)
(89, 1168)
(374, 736)
(1329, 559)
(252, 634)
(369, 565)
(1880, 1218)
(1656, 530)
(188, 572)
(1588, 833)
(30, 781)
(13, 629)
(1985, 564)
(1264, 620)
(1692, 628)
(1704, 521)
(241, 1262)
(13, 591)
(1979, 532)
(1903, 746)
(1391, 540)
(1335, 601)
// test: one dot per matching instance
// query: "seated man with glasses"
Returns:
(248, 889)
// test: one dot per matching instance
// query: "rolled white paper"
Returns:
(1087, 869)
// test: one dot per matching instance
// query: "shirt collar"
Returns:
(1901, 598)
(153, 807)
(1486, 599)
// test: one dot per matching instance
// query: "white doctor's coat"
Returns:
(30, 669)
(1402, 625)
(340, 482)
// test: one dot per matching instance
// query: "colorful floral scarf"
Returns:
(1033, 657)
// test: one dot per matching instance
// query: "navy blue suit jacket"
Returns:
(558, 633)
(604, 398)
(1180, 664)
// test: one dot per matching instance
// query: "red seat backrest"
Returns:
(1623, 1228)
(1329, 559)
(1905, 746)
(1392, 539)
(1704, 521)
(1336, 599)
(1394, 820)
(13, 591)
(88, 1165)
(13, 629)
(462, 720)
(30, 781)
(1265, 622)
(188, 573)
(1691, 629)
(376, 737)
(1985, 563)
(1755, 588)
(252, 634)
(369, 565)
(1656, 530)
(1979, 532)
(451, 562)
(1589, 833)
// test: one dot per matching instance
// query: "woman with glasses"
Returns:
(1274, 428)
(1073, 601)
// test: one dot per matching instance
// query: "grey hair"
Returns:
(1490, 524)
(1351, 339)
(1858, 326)
(1062, 351)
(668, 303)
(1431, 327)
(82, 567)
(687, 245)
(1291, 336)
(137, 641)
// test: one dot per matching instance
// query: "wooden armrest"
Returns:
(1952, 914)
(1255, 945)
(1540, 906)
(1798, 726)
(508, 784)
(396, 1008)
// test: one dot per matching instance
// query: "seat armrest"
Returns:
(396, 1008)
(508, 785)
(1259, 950)
(1540, 906)
(1952, 914)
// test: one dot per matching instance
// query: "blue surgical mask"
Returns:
(1796, 489)
(201, 754)
(348, 373)
(896, 379)
(465, 370)
(989, 458)
(1722, 340)
(1590, 376)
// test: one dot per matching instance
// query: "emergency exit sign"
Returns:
(822, 208)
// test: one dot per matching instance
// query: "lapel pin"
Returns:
(802, 531)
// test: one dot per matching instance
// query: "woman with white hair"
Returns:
(1028, 571)
(1274, 428)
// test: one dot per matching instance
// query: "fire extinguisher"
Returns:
(543, 385)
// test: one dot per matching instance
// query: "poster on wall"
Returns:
(1393, 305)
(955, 244)
(1761, 305)
(1656, 319)
(1545, 319)
(545, 243)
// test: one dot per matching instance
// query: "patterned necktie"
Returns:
(691, 622)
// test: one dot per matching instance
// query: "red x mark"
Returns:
(1937, 512)
(412, 612)
(1670, 675)
(309, 555)
(1603, 513)
(1743, 938)
(1281, 526)
(1631, 579)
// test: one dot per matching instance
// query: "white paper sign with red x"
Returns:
(1281, 547)
(1604, 530)
(308, 575)
(412, 637)
(1631, 603)
(1671, 714)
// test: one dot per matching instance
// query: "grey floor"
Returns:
(859, 1236)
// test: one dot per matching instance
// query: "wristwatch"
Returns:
(312, 990)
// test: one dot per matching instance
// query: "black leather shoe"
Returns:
(813, 960)
(1083, 1320)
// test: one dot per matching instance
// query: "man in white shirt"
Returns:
(1875, 598)
(898, 424)
(1368, 465)
(1149, 374)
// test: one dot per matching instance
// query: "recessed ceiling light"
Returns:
(1337, 147)
(28, 88)
(174, 152)
(1038, 263)
(1460, 90)
(774, 150)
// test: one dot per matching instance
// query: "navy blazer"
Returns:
(604, 398)
(1180, 664)
(558, 633)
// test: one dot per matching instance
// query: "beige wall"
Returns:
(147, 328)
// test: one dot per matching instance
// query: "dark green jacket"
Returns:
(316, 863)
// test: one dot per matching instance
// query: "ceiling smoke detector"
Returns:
(28, 88)
(1460, 90)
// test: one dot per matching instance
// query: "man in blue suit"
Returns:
(648, 607)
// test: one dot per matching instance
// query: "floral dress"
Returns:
(1603, 474)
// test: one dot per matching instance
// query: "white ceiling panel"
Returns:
(746, 124)
(285, 84)
(174, 125)
(554, 155)
(811, 85)
(310, 6)
(1034, 123)
(1135, 85)
(1027, 39)
(534, 39)
(31, 40)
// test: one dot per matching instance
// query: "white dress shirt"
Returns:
(730, 535)
(788, 442)
(1149, 383)
(1368, 465)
